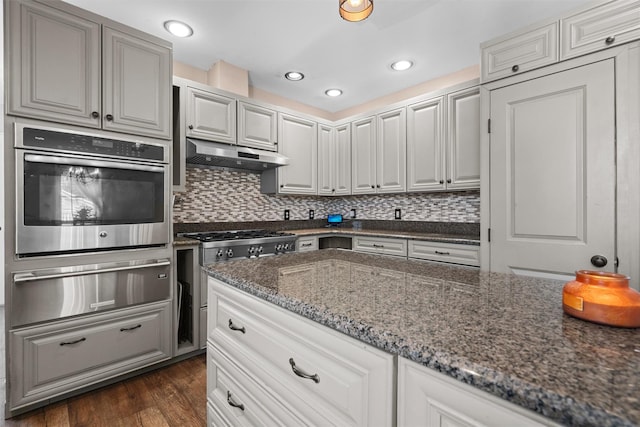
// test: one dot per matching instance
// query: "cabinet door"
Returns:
(326, 163)
(553, 172)
(299, 142)
(210, 116)
(392, 152)
(137, 85)
(54, 65)
(425, 146)
(257, 127)
(363, 156)
(606, 25)
(342, 160)
(463, 139)
(515, 54)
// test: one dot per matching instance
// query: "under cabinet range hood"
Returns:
(214, 154)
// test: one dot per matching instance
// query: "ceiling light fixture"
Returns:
(178, 29)
(294, 76)
(333, 92)
(402, 65)
(355, 10)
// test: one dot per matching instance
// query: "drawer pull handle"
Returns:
(131, 328)
(233, 403)
(73, 342)
(303, 374)
(378, 246)
(304, 245)
(235, 328)
(442, 253)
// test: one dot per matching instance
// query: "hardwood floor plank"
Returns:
(57, 415)
(175, 406)
(152, 417)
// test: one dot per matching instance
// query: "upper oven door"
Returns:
(76, 203)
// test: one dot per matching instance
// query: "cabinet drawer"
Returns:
(307, 244)
(379, 245)
(229, 386)
(607, 25)
(445, 252)
(516, 54)
(56, 358)
(269, 341)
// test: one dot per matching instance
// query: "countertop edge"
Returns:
(522, 393)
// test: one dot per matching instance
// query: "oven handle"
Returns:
(30, 277)
(74, 161)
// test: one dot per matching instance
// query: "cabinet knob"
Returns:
(515, 68)
(191, 127)
(448, 181)
(610, 40)
(373, 186)
(598, 261)
(109, 117)
(442, 181)
(333, 190)
(281, 185)
(377, 185)
(95, 114)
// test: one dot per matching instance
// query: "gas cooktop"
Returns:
(217, 236)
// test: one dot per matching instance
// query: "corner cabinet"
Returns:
(334, 160)
(266, 365)
(67, 68)
(299, 143)
(443, 142)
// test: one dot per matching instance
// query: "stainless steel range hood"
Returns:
(208, 153)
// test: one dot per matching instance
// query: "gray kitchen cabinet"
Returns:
(299, 143)
(600, 27)
(453, 253)
(307, 244)
(391, 152)
(188, 300)
(53, 359)
(257, 126)
(72, 67)
(210, 116)
(334, 160)
(463, 139)
(363, 156)
(380, 245)
(426, 146)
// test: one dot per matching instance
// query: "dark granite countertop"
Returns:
(504, 334)
(413, 235)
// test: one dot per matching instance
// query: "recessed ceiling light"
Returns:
(333, 92)
(178, 29)
(402, 65)
(294, 76)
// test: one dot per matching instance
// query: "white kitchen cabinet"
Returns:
(53, 359)
(307, 244)
(463, 139)
(426, 153)
(334, 160)
(431, 399)
(380, 245)
(363, 156)
(320, 376)
(299, 143)
(70, 69)
(516, 53)
(391, 162)
(257, 127)
(606, 25)
(445, 252)
(210, 116)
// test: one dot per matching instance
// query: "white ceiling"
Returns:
(270, 37)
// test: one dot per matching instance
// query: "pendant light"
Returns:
(355, 10)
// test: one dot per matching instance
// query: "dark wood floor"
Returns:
(171, 396)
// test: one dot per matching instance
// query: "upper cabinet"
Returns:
(378, 153)
(334, 160)
(299, 143)
(210, 116)
(70, 69)
(257, 127)
(443, 142)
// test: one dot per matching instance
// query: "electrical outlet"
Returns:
(398, 214)
(286, 214)
(312, 214)
(353, 213)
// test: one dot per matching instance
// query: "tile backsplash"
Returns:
(214, 195)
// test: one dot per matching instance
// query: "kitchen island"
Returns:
(502, 334)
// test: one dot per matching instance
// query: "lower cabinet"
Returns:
(269, 366)
(307, 244)
(445, 252)
(53, 359)
(430, 399)
(380, 245)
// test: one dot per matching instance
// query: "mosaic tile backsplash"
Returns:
(215, 195)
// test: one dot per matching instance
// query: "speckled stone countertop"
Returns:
(504, 334)
(414, 235)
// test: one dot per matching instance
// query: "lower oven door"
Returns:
(71, 203)
(58, 293)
